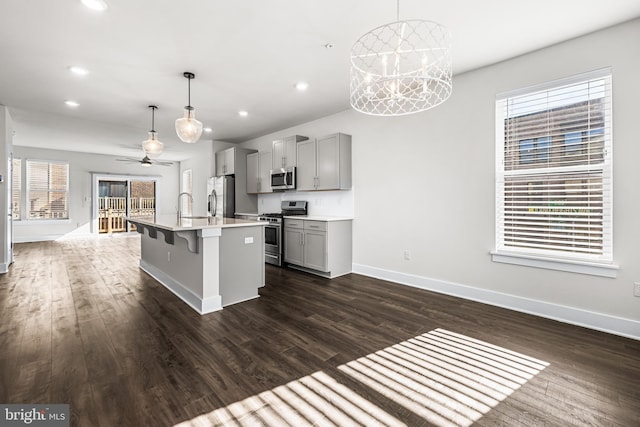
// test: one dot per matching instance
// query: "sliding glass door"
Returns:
(142, 199)
(121, 198)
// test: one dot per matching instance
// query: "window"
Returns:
(526, 151)
(573, 142)
(47, 189)
(16, 182)
(543, 148)
(553, 171)
(537, 149)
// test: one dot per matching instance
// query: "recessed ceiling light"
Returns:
(78, 70)
(98, 5)
(243, 113)
(329, 45)
(208, 130)
(70, 103)
(302, 86)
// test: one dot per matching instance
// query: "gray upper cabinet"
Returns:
(253, 171)
(259, 172)
(306, 169)
(285, 151)
(225, 162)
(324, 164)
(265, 172)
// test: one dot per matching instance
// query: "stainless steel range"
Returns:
(273, 241)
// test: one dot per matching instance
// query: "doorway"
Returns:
(120, 197)
(112, 208)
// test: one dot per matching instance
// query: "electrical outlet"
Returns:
(407, 256)
(636, 289)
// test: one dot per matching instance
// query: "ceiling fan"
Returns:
(151, 147)
(145, 161)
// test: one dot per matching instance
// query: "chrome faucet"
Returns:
(179, 197)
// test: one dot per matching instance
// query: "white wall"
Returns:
(425, 183)
(81, 166)
(6, 141)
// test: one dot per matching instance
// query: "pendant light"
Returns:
(188, 128)
(401, 68)
(152, 147)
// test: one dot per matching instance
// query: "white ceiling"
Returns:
(247, 55)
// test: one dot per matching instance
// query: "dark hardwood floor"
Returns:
(81, 324)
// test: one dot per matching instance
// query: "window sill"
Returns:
(581, 267)
(19, 222)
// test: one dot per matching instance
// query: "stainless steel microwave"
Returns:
(283, 179)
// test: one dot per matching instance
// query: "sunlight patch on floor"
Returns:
(448, 379)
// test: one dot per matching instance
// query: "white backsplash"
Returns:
(326, 203)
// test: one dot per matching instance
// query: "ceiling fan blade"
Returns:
(146, 161)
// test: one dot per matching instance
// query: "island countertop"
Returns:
(172, 223)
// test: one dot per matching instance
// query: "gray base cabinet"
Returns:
(319, 247)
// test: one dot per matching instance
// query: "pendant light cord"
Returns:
(189, 78)
(153, 117)
(398, 11)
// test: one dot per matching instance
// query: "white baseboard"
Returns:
(39, 238)
(575, 316)
(202, 306)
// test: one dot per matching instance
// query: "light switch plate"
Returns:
(248, 240)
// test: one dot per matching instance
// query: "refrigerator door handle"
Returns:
(215, 203)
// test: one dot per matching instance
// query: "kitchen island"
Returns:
(208, 262)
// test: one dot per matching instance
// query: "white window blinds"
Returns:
(47, 189)
(554, 170)
(16, 187)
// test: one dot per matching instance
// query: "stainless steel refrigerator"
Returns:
(221, 196)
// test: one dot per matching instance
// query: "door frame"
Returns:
(95, 192)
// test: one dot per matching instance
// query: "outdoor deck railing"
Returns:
(113, 210)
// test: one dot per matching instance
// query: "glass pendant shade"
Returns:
(188, 128)
(152, 147)
(401, 68)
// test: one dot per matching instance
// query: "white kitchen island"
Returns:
(207, 262)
